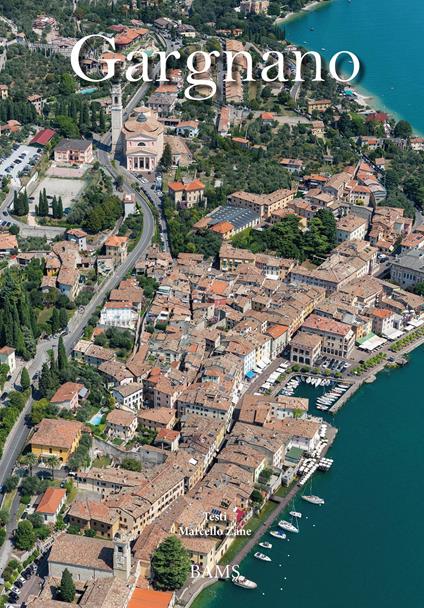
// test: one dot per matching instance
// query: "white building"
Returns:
(7, 357)
(351, 227)
(129, 395)
(119, 314)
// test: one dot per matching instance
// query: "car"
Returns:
(27, 574)
(19, 584)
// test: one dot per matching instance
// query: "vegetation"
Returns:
(287, 240)
(67, 587)
(131, 464)
(98, 208)
(170, 565)
(81, 457)
(407, 340)
(369, 363)
(24, 535)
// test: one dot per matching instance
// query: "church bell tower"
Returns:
(116, 117)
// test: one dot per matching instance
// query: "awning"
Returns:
(392, 333)
(372, 343)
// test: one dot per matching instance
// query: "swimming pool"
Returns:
(96, 419)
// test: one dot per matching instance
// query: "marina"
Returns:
(388, 444)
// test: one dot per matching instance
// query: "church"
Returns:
(143, 141)
(140, 138)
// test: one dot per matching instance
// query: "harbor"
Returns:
(377, 445)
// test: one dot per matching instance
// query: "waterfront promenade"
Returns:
(189, 593)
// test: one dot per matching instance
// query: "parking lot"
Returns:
(19, 163)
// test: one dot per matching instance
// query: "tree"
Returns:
(403, 129)
(130, 464)
(62, 359)
(63, 319)
(166, 160)
(29, 460)
(25, 379)
(3, 535)
(170, 565)
(53, 462)
(67, 587)
(24, 535)
(256, 497)
(4, 517)
(11, 483)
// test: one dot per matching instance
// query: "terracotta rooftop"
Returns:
(56, 433)
(51, 500)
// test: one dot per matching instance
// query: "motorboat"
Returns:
(296, 514)
(242, 581)
(278, 534)
(262, 556)
(287, 526)
(314, 500)
(265, 545)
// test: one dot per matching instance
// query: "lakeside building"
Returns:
(338, 338)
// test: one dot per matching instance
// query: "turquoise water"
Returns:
(88, 91)
(96, 419)
(363, 549)
(387, 36)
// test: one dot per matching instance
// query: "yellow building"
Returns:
(59, 438)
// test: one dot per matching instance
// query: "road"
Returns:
(18, 436)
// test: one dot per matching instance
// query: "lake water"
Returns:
(387, 36)
(364, 547)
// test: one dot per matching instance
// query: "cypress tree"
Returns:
(67, 587)
(55, 321)
(62, 359)
(63, 317)
(102, 120)
(45, 382)
(25, 379)
(59, 208)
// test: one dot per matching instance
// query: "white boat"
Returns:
(278, 534)
(262, 556)
(265, 545)
(296, 514)
(287, 526)
(323, 408)
(315, 500)
(242, 581)
(308, 380)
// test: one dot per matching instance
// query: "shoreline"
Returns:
(364, 98)
(311, 6)
(371, 376)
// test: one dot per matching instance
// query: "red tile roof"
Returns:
(51, 500)
(43, 137)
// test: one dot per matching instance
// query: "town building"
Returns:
(338, 339)
(117, 248)
(129, 395)
(51, 504)
(187, 195)
(74, 152)
(351, 227)
(121, 424)
(305, 348)
(59, 438)
(67, 396)
(7, 357)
